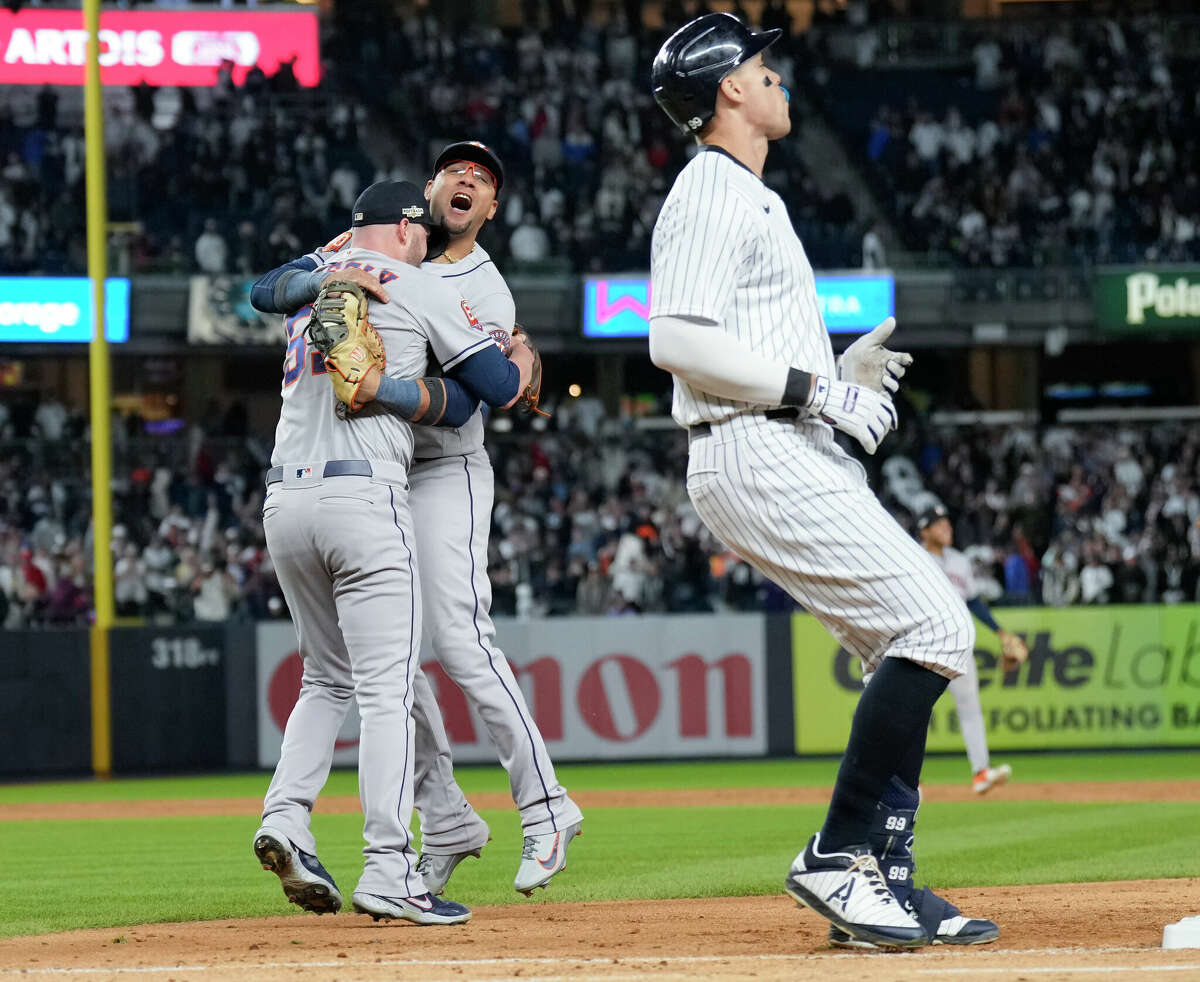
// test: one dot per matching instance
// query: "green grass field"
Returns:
(99, 873)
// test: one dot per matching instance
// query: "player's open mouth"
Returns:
(460, 201)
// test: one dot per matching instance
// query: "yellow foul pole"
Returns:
(97, 221)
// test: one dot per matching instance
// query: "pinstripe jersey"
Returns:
(477, 279)
(724, 250)
(424, 317)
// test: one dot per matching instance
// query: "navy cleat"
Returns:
(305, 881)
(891, 842)
(424, 910)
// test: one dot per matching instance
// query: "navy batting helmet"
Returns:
(688, 68)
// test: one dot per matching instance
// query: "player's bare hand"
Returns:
(863, 413)
(867, 362)
(367, 281)
(520, 355)
(368, 387)
(1013, 651)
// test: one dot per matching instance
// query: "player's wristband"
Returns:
(798, 390)
(416, 400)
(819, 396)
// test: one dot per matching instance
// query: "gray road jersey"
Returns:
(957, 568)
(476, 277)
(424, 316)
(724, 249)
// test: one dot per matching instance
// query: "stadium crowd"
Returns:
(592, 517)
(1071, 143)
(270, 169)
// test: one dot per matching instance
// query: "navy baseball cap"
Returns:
(476, 153)
(390, 202)
(931, 515)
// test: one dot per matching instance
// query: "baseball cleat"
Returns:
(305, 881)
(435, 870)
(543, 857)
(990, 777)
(424, 910)
(848, 889)
(891, 839)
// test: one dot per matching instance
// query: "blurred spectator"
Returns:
(211, 250)
(214, 589)
(529, 243)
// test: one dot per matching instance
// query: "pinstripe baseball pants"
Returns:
(787, 499)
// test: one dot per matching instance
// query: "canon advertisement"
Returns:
(160, 47)
(603, 687)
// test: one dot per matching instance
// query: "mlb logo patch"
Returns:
(302, 472)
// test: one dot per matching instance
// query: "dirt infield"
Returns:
(1095, 791)
(1076, 931)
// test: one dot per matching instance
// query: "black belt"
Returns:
(333, 468)
(704, 429)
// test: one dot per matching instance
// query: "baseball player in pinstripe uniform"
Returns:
(451, 499)
(937, 536)
(340, 534)
(735, 319)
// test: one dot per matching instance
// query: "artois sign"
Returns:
(1136, 299)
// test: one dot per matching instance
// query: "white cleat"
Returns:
(849, 890)
(543, 857)
(990, 777)
(436, 870)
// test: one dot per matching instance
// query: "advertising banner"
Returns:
(1134, 300)
(1097, 677)
(620, 307)
(160, 47)
(597, 687)
(43, 309)
(219, 312)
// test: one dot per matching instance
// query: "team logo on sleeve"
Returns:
(502, 338)
(335, 245)
(471, 318)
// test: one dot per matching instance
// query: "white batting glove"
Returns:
(867, 362)
(863, 413)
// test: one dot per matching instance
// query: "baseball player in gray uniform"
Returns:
(937, 536)
(735, 319)
(451, 498)
(340, 533)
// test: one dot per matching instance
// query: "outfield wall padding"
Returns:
(169, 697)
(45, 707)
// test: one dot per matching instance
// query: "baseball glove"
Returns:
(1013, 651)
(527, 401)
(351, 347)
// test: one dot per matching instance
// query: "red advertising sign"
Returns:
(617, 688)
(162, 47)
